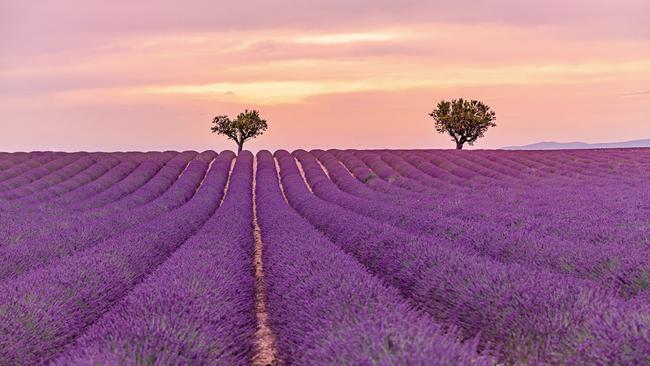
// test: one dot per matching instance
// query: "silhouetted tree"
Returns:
(246, 126)
(465, 121)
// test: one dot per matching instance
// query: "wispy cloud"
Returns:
(341, 38)
(387, 78)
(635, 94)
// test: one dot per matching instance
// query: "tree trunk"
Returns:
(459, 145)
(240, 146)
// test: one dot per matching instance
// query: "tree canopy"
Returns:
(464, 120)
(246, 126)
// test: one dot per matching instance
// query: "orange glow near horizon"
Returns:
(90, 78)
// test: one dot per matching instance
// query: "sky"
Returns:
(150, 75)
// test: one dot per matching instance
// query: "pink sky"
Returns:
(150, 75)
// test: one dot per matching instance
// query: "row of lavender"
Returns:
(405, 213)
(177, 289)
(103, 303)
(327, 309)
(47, 313)
(510, 233)
(522, 313)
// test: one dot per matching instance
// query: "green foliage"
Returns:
(246, 126)
(465, 121)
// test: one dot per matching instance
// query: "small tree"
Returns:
(246, 126)
(465, 121)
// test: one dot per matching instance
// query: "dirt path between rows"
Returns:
(265, 351)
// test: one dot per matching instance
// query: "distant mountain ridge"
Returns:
(553, 145)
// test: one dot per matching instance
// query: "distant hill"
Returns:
(552, 145)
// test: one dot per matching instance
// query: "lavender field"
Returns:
(338, 257)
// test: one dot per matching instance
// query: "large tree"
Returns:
(464, 120)
(246, 126)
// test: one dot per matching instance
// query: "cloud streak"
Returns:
(279, 92)
(635, 94)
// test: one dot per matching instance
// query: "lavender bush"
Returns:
(370, 257)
